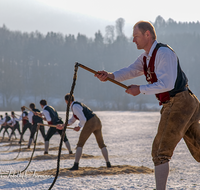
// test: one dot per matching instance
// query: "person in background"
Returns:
(51, 116)
(6, 126)
(89, 123)
(34, 119)
(25, 123)
(180, 111)
(14, 124)
(2, 121)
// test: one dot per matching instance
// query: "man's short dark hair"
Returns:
(12, 113)
(67, 97)
(32, 105)
(43, 102)
(22, 108)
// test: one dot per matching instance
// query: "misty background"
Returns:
(35, 66)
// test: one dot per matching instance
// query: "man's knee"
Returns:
(47, 138)
(80, 144)
(160, 160)
(101, 145)
(65, 139)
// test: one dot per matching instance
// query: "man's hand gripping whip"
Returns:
(95, 72)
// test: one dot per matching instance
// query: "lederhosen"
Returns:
(180, 115)
(92, 125)
(36, 119)
(54, 121)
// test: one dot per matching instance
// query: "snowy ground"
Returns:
(128, 136)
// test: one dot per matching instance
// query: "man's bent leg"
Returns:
(24, 128)
(33, 130)
(78, 154)
(50, 133)
(173, 125)
(46, 147)
(30, 142)
(67, 144)
(99, 139)
(42, 130)
(192, 140)
(66, 141)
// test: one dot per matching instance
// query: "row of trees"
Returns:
(35, 66)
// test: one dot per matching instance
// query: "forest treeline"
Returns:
(34, 66)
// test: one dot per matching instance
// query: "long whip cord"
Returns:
(30, 157)
(9, 146)
(19, 150)
(66, 122)
(32, 153)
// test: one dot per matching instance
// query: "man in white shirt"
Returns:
(34, 119)
(180, 113)
(6, 126)
(51, 116)
(89, 123)
(14, 124)
(2, 123)
(2, 120)
(25, 123)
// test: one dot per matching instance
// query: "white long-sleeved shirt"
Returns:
(12, 121)
(2, 121)
(46, 114)
(21, 117)
(165, 70)
(78, 111)
(30, 117)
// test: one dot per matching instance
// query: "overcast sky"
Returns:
(89, 16)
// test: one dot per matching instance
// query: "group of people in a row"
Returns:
(88, 123)
(9, 122)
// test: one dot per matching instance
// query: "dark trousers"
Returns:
(5, 130)
(2, 127)
(16, 126)
(52, 131)
(24, 128)
(34, 128)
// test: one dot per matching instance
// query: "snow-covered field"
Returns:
(128, 136)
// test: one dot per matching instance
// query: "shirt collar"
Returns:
(44, 107)
(71, 105)
(151, 50)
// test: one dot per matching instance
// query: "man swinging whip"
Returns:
(180, 113)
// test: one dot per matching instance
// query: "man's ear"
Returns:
(147, 33)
